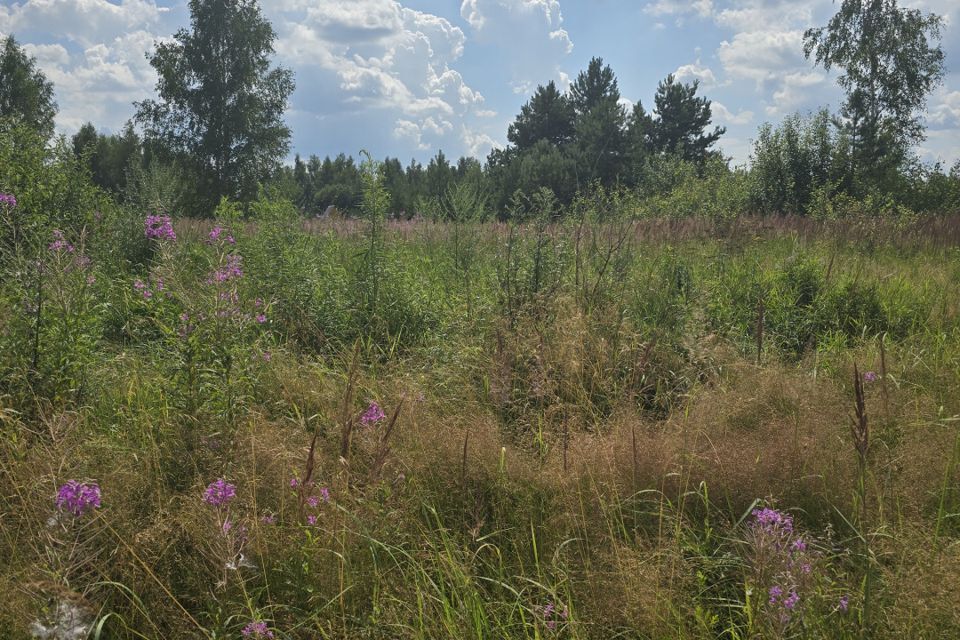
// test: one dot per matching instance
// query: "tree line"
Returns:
(215, 130)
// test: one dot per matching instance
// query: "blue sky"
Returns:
(407, 78)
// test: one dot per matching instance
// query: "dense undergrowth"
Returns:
(581, 427)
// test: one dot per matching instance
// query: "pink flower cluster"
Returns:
(372, 415)
(145, 290)
(216, 233)
(219, 493)
(257, 629)
(312, 500)
(232, 269)
(60, 242)
(159, 228)
(78, 498)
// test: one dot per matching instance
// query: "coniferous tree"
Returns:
(600, 141)
(548, 115)
(221, 105)
(639, 144)
(682, 120)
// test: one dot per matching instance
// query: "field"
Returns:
(581, 427)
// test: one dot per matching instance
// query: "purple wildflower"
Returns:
(219, 493)
(552, 615)
(870, 376)
(78, 497)
(799, 545)
(325, 494)
(60, 243)
(772, 521)
(215, 234)
(269, 518)
(311, 519)
(775, 593)
(313, 501)
(790, 602)
(8, 199)
(159, 228)
(294, 483)
(372, 415)
(257, 629)
(844, 604)
(261, 318)
(229, 271)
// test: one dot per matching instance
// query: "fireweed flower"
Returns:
(551, 615)
(8, 200)
(231, 270)
(219, 493)
(140, 286)
(844, 604)
(78, 498)
(159, 228)
(60, 243)
(372, 415)
(257, 629)
(775, 593)
(772, 521)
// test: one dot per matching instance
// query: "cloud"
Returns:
(85, 22)
(383, 60)
(795, 92)
(764, 15)
(762, 56)
(723, 114)
(696, 71)
(527, 36)
(701, 8)
(945, 111)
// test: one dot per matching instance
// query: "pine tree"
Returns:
(548, 115)
(681, 122)
(599, 138)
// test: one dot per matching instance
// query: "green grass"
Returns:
(584, 426)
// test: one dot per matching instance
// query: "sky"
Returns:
(407, 78)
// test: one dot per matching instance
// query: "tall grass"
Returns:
(585, 427)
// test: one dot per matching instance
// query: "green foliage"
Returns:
(681, 121)
(890, 63)
(599, 140)
(111, 159)
(548, 115)
(221, 105)
(799, 164)
(683, 189)
(26, 96)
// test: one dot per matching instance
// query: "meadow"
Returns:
(591, 426)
